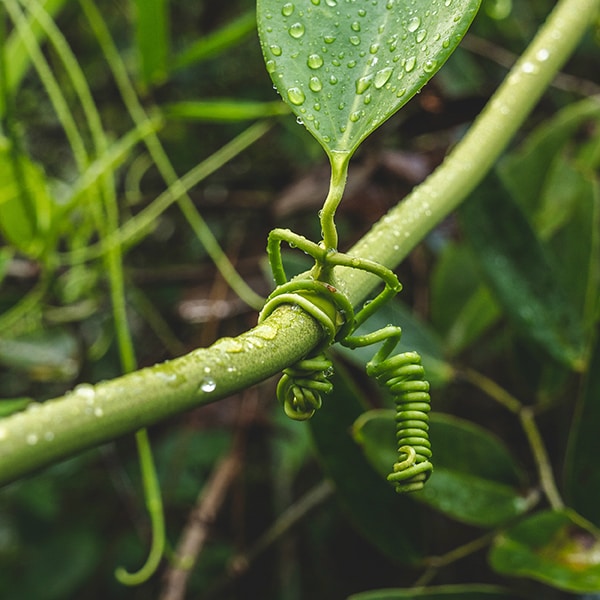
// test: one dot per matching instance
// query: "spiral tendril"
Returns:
(300, 387)
(302, 384)
(404, 376)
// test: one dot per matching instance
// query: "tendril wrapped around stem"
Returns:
(301, 385)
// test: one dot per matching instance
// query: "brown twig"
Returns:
(204, 513)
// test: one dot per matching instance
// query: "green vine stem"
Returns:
(91, 415)
(527, 419)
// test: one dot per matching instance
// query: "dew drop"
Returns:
(296, 96)
(447, 2)
(529, 67)
(421, 35)
(314, 61)
(351, 64)
(410, 64)
(317, 107)
(355, 116)
(400, 92)
(542, 54)
(382, 77)
(414, 24)
(86, 392)
(296, 30)
(368, 99)
(363, 84)
(270, 64)
(429, 66)
(373, 48)
(362, 12)
(208, 385)
(315, 84)
(287, 9)
(333, 79)
(354, 40)
(329, 39)
(390, 4)
(299, 121)
(276, 50)
(331, 2)
(355, 26)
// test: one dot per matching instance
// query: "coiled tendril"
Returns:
(301, 385)
(404, 376)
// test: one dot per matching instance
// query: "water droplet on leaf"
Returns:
(314, 61)
(363, 84)
(315, 85)
(382, 77)
(287, 9)
(296, 30)
(296, 96)
(413, 24)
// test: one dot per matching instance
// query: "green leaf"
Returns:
(462, 308)
(345, 67)
(582, 476)
(556, 547)
(577, 244)
(223, 110)
(525, 171)
(389, 521)
(475, 478)
(215, 42)
(26, 207)
(16, 55)
(442, 592)
(8, 406)
(152, 39)
(46, 355)
(523, 276)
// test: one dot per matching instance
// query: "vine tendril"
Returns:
(301, 386)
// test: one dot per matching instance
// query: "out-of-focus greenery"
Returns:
(501, 300)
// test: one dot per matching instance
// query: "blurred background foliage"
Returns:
(102, 107)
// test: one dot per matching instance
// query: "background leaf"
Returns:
(387, 520)
(522, 274)
(345, 67)
(474, 478)
(556, 547)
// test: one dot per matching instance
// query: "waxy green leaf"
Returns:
(523, 275)
(345, 66)
(475, 479)
(556, 547)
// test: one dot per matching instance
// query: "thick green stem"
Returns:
(92, 415)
